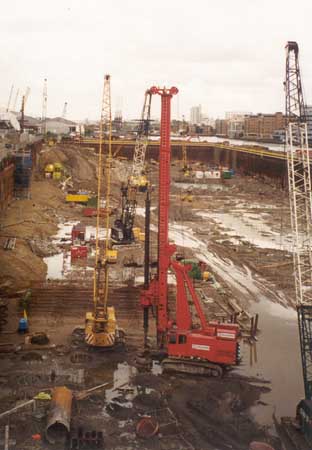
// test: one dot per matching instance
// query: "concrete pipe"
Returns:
(58, 423)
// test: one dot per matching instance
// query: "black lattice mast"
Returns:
(295, 108)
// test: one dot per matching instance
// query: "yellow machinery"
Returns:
(58, 171)
(77, 198)
(187, 196)
(48, 170)
(101, 329)
(185, 168)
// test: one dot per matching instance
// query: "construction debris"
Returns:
(9, 244)
(58, 423)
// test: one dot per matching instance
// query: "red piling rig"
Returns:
(211, 346)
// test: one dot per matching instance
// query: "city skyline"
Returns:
(73, 45)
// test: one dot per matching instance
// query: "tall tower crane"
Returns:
(101, 328)
(122, 232)
(10, 98)
(300, 196)
(44, 105)
(23, 106)
(210, 347)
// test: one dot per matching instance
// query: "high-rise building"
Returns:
(195, 115)
(222, 127)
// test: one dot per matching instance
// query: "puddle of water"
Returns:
(139, 279)
(122, 379)
(277, 359)
(157, 368)
(250, 227)
(64, 232)
(61, 266)
(236, 277)
(209, 187)
(141, 211)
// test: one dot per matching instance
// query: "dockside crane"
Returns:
(300, 196)
(44, 105)
(64, 112)
(207, 348)
(10, 98)
(23, 106)
(101, 329)
(122, 231)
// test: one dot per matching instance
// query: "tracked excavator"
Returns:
(211, 347)
(122, 231)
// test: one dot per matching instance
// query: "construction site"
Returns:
(155, 293)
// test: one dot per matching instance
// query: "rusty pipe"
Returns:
(58, 423)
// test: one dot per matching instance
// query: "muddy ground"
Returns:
(239, 228)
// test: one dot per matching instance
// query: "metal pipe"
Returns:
(58, 423)
(147, 240)
(146, 262)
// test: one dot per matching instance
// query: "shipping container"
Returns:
(79, 251)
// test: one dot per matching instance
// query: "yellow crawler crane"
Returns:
(101, 329)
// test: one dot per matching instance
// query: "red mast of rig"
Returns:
(165, 250)
(210, 346)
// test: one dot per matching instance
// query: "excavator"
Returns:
(206, 348)
(101, 329)
(122, 231)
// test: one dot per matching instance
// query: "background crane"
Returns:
(64, 113)
(299, 179)
(44, 105)
(23, 106)
(122, 232)
(10, 98)
(101, 328)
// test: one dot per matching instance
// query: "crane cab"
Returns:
(111, 256)
(101, 329)
(304, 419)
(140, 182)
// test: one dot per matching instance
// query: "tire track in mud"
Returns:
(239, 279)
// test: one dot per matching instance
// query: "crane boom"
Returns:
(300, 196)
(101, 328)
(24, 101)
(141, 139)
(122, 232)
(64, 112)
(10, 98)
(44, 105)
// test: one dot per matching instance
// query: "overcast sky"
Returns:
(227, 55)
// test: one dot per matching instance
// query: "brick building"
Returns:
(263, 126)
